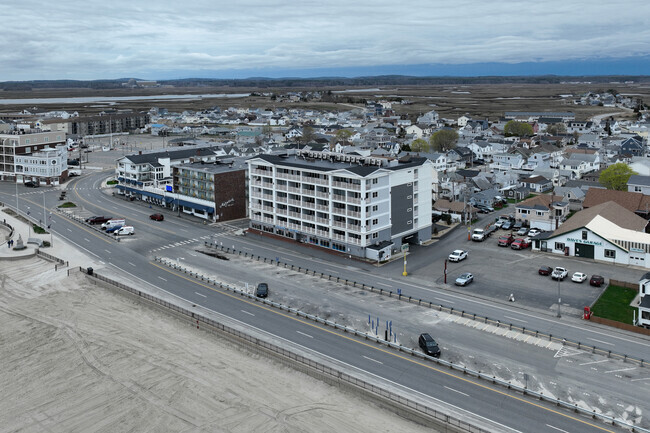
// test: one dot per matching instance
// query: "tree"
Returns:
(307, 135)
(444, 140)
(518, 129)
(556, 129)
(343, 136)
(267, 131)
(420, 145)
(616, 176)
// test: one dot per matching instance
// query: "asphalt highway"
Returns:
(133, 257)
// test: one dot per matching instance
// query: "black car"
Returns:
(429, 345)
(545, 270)
(97, 219)
(596, 280)
(31, 184)
(262, 290)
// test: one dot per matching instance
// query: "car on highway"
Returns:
(505, 240)
(520, 244)
(559, 273)
(596, 281)
(578, 277)
(30, 184)
(429, 345)
(157, 217)
(457, 255)
(97, 219)
(464, 279)
(262, 290)
(545, 270)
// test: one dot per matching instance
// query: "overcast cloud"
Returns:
(74, 39)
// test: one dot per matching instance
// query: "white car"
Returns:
(534, 232)
(578, 277)
(457, 256)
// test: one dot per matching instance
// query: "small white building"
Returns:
(607, 232)
(643, 318)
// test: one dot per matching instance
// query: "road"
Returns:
(132, 256)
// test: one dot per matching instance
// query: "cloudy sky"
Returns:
(90, 39)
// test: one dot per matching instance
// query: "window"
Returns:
(375, 208)
(559, 246)
(374, 181)
(375, 195)
(375, 235)
(375, 221)
(610, 254)
(637, 189)
(584, 235)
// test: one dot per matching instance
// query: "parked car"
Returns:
(478, 235)
(457, 256)
(262, 290)
(481, 209)
(124, 230)
(520, 244)
(545, 270)
(507, 225)
(517, 225)
(464, 279)
(112, 223)
(157, 217)
(596, 280)
(559, 273)
(30, 184)
(522, 231)
(534, 232)
(97, 219)
(499, 223)
(578, 277)
(505, 241)
(429, 345)
(113, 228)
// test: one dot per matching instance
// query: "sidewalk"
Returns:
(59, 247)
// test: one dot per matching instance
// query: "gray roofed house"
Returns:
(638, 183)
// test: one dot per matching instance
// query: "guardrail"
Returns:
(286, 354)
(477, 374)
(51, 258)
(11, 230)
(450, 310)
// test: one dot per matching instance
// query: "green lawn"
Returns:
(67, 204)
(614, 304)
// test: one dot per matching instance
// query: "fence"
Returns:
(450, 310)
(51, 258)
(625, 284)
(477, 374)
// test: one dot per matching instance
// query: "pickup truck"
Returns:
(478, 235)
(520, 244)
(505, 241)
(559, 273)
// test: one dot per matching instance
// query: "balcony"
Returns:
(308, 217)
(354, 200)
(309, 205)
(281, 187)
(281, 199)
(282, 211)
(261, 172)
(322, 207)
(338, 211)
(353, 214)
(322, 194)
(347, 185)
(340, 224)
(323, 220)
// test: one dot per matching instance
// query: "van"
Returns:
(125, 230)
(113, 223)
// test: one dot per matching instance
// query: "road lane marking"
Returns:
(555, 428)
(193, 255)
(384, 284)
(594, 362)
(87, 240)
(445, 300)
(69, 230)
(132, 264)
(164, 279)
(514, 318)
(107, 251)
(387, 352)
(601, 341)
(246, 248)
(373, 360)
(636, 380)
(330, 271)
(250, 314)
(455, 390)
(306, 335)
(622, 369)
(183, 230)
(200, 294)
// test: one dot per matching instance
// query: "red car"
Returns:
(519, 244)
(157, 217)
(596, 280)
(545, 270)
(505, 241)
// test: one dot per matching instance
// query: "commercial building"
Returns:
(363, 206)
(607, 232)
(33, 156)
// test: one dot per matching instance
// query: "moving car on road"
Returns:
(156, 217)
(457, 256)
(429, 345)
(464, 279)
(31, 184)
(559, 273)
(578, 277)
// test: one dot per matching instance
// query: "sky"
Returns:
(163, 39)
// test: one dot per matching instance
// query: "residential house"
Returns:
(643, 316)
(489, 197)
(633, 146)
(482, 149)
(545, 211)
(579, 164)
(638, 183)
(458, 209)
(538, 184)
(507, 162)
(516, 193)
(633, 201)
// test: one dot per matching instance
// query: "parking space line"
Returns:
(549, 343)
(527, 338)
(594, 362)
(622, 369)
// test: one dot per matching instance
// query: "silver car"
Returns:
(464, 279)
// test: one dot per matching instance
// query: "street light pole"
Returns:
(559, 298)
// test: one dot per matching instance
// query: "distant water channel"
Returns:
(113, 99)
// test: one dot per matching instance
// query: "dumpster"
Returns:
(89, 271)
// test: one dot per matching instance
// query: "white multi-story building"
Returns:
(362, 206)
(24, 156)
